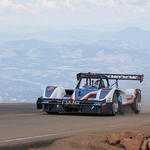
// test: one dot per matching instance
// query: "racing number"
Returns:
(50, 88)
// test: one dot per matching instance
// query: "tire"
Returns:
(48, 112)
(136, 106)
(115, 104)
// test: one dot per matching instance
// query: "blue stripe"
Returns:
(49, 92)
(104, 94)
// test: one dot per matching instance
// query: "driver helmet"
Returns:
(97, 82)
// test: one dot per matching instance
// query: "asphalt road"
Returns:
(23, 126)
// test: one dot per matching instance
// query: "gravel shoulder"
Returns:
(92, 141)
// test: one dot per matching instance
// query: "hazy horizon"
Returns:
(94, 15)
(46, 42)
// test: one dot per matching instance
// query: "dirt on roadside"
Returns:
(92, 141)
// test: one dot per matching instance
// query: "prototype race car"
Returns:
(93, 94)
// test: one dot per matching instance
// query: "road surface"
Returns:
(23, 126)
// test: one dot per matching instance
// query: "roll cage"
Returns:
(101, 76)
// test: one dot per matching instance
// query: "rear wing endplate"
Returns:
(111, 76)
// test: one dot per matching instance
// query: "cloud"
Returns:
(23, 80)
(1, 18)
(1, 99)
(74, 5)
(23, 100)
(7, 4)
(13, 99)
(85, 5)
(108, 7)
(10, 68)
(108, 14)
(42, 5)
(7, 54)
(60, 69)
(135, 2)
(100, 53)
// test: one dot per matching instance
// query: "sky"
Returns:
(102, 15)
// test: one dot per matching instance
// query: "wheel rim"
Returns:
(138, 103)
(115, 104)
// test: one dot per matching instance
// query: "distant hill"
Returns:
(30, 61)
(134, 34)
(24, 44)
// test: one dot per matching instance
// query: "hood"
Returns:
(85, 93)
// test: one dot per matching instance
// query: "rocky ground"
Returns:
(93, 141)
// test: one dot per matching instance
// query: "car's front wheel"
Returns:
(136, 106)
(114, 104)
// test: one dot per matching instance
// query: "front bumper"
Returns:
(84, 106)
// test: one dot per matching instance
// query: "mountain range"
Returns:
(31, 61)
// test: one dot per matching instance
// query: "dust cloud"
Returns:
(145, 100)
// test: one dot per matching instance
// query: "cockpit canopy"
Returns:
(102, 82)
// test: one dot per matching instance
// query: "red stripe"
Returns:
(105, 90)
(89, 95)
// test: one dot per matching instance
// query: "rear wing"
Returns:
(111, 76)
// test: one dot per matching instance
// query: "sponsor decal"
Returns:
(120, 98)
(97, 104)
(103, 104)
(91, 98)
(123, 76)
(78, 97)
(65, 102)
(50, 88)
(75, 102)
(130, 98)
(105, 90)
(109, 101)
(45, 102)
(66, 97)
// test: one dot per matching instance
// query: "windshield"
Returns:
(96, 83)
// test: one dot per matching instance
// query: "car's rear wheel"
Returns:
(114, 104)
(136, 106)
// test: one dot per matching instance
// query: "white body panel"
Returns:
(130, 95)
(98, 94)
(58, 93)
(109, 96)
(126, 97)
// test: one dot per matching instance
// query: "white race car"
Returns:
(93, 94)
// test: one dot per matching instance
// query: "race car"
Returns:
(93, 94)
